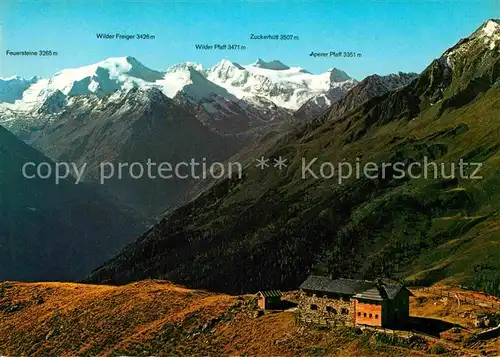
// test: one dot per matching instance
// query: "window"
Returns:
(314, 307)
(371, 316)
(364, 314)
(376, 316)
(345, 311)
(331, 309)
(359, 313)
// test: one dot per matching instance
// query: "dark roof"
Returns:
(363, 289)
(380, 293)
(270, 293)
(393, 290)
(337, 286)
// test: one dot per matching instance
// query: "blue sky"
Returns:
(391, 35)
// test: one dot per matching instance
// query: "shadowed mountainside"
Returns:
(52, 231)
(140, 125)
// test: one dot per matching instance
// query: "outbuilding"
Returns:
(269, 299)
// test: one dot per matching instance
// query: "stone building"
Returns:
(353, 302)
(383, 305)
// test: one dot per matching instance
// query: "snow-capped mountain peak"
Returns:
(269, 82)
(337, 75)
(224, 70)
(490, 31)
(287, 87)
(186, 66)
(275, 65)
(190, 78)
(225, 63)
(104, 77)
(491, 27)
(12, 88)
(487, 35)
(18, 78)
(101, 78)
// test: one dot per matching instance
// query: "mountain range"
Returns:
(239, 97)
(118, 110)
(287, 87)
(391, 178)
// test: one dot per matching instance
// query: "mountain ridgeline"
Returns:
(272, 228)
(116, 112)
(120, 111)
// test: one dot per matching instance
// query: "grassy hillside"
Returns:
(162, 319)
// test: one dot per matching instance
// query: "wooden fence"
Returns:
(491, 333)
(463, 299)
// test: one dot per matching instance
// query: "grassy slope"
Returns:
(52, 231)
(468, 237)
(159, 318)
(272, 228)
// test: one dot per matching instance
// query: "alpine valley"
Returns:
(269, 228)
(120, 111)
